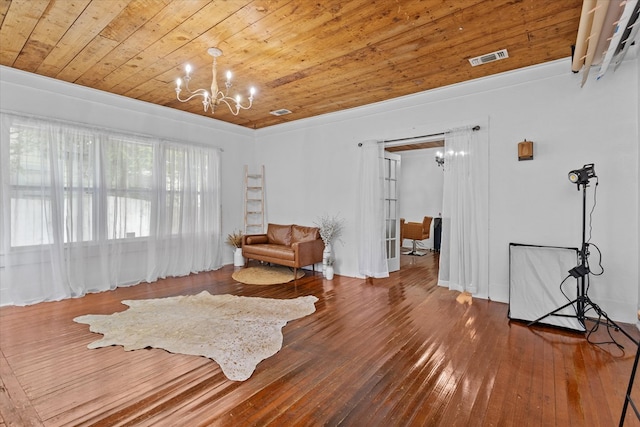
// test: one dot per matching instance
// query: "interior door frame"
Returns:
(392, 168)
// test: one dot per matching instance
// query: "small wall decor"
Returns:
(525, 150)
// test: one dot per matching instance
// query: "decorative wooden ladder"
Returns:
(253, 201)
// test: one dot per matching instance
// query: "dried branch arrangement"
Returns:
(331, 228)
(235, 239)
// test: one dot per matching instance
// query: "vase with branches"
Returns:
(329, 268)
(331, 229)
(235, 239)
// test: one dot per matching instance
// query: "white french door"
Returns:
(392, 209)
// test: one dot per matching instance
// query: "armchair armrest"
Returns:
(254, 239)
(309, 252)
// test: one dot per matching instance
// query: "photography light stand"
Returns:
(582, 303)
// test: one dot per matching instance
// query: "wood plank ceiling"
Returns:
(310, 57)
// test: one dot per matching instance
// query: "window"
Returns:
(85, 186)
(88, 209)
(103, 184)
(36, 168)
(129, 182)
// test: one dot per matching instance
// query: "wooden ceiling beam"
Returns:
(128, 21)
(19, 19)
(52, 26)
(346, 79)
(88, 25)
(153, 30)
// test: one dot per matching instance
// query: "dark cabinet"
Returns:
(437, 234)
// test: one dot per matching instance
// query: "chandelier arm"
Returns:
(238, 106)
(248, 106)
(219, 97)
(187, 79)
(237, 110)
(199, 92)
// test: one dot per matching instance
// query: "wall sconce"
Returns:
(440, 159)
(525, 150)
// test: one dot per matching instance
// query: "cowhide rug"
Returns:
(237, 332)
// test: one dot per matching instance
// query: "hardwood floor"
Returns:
(390, 352)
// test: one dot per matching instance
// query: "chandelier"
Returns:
(440, 159)
(210, 100)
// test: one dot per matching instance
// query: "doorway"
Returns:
(420, 194)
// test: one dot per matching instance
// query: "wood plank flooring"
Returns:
(388, 352)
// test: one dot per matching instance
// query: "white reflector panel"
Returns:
(535, 275)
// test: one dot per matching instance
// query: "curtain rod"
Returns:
(475, 128)
(106, 129)
(432, 135)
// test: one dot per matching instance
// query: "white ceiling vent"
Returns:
(489, 57)
(280, 112)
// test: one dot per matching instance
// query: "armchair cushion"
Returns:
(300, 233)
(271, 251)
(255, 239)
(279, 234)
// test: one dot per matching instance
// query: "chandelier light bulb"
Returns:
(217, 96)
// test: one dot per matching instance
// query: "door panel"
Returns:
(392, 209)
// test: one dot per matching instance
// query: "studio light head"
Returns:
(582, 176)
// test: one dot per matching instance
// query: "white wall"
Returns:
(421, 185)
(311, 166)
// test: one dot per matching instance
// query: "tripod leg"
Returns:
(627, 398)
(554, 312)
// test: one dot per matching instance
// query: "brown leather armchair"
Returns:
(291, 245)
(415, 231)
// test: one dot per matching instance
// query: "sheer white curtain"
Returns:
(185, 222)
(464, 257)
(372, 257)
(86, 210)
